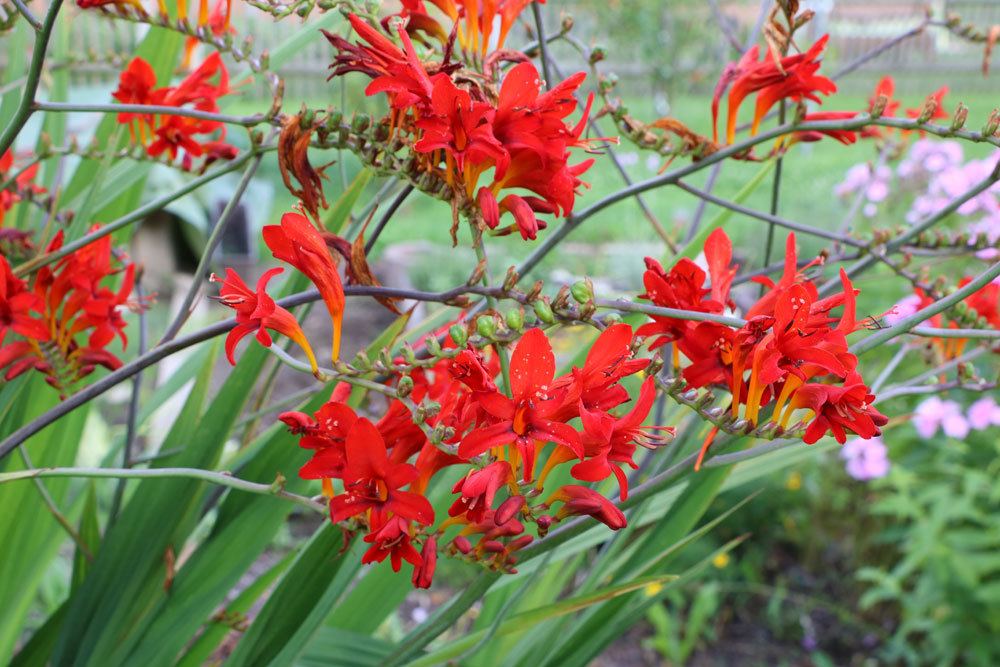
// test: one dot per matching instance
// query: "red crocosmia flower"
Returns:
(846, 137)
(167, 133)
(423, 574)
(136, 85)
(398, 73)
(801, 83)
(791, 275)
(391, 540)
(794, 79)
(72, 300)
(683, 288)
(217, 22)
(469, 368)
(478, 489)
(373, 484)
(595, 386)
(325, 433)
(609, 441)
(524, 419)
(474, 22)
(19, 307)
(297, 242)
(175, 134)
(710, 348)
(463, 129)
(794, 342)
(581, 501)
(838, 409)
(257, 312)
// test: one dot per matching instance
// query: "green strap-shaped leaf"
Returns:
(527, 620)
(300, 602)
(27, 522)
(218, 628)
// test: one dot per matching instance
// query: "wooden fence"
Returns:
(856, 26)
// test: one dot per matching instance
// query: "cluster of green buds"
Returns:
(702, 402)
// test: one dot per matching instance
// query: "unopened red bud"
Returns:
(597, 54)
(492, 546)
(520, 542)
(508, 510)
(462, 544)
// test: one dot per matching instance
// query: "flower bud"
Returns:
(582, 291)
(458, 335)
(405, 386)
(433, 345)
(423, 574)
(408, 354)
(544, 312)
(493, 546)
(486, 326)
(878, 106)
(597, 54)
(990, 129)
(958, 120)
(544, 522)
(462, 544)
(510, 280)
(508, 509)
(360, 122)
(515, 319)
(930, 106)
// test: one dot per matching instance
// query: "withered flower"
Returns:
(293, 160)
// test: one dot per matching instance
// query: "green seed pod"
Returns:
(458, 335)
(544, 312)
(515, 319)
(486, 326)
(582, 291)
(433, 345)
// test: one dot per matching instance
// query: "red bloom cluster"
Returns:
(500, 439)
(793, 77)
(790, 342)
(66, 317)
(297, 242)
(173, 134)
(473, 23)
(463, 129)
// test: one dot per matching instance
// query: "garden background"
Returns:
(830, 569)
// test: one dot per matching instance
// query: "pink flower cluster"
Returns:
(934, 414)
